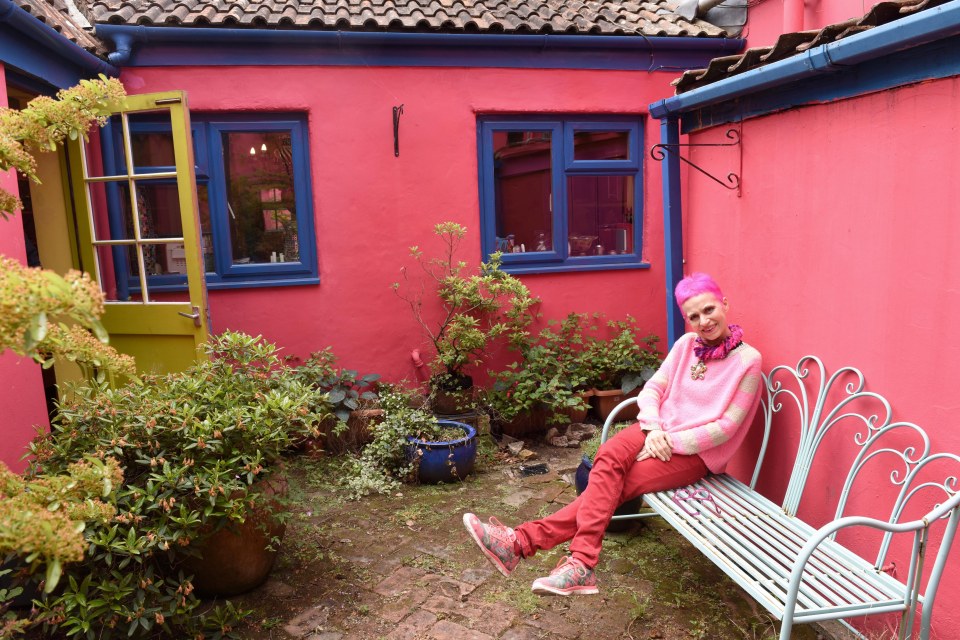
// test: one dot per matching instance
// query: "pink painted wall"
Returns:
(21, 386)
(371, 206)
(845, 244)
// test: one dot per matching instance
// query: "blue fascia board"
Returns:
(923, 27)
(42, 66)
(180, 46)
(43, 51)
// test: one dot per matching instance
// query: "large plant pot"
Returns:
(526, 423)
(573, 415)
(629, 507)
(357, 433)
(239, 557)
(604, 401)
(444, 461)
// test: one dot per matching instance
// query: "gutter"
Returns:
(922, 27)
(53, 40)
(126, 38)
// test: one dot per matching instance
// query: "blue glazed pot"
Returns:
(450, 461)
(629, 507)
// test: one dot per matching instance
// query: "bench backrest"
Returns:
(824, 403)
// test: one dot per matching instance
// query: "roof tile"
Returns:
(790, 44)
(643, 17)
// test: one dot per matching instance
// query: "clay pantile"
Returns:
(790, 44)
(69, 21)
(569, 16)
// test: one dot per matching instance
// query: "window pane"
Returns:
(524, 198)
(601, 145)
(206, 233)
(154, 149)
(261, 202)
(600, 215)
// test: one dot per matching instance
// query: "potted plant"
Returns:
(619, 365)
(351, 397)
(461, 314)
(198, 450)
(410, 445)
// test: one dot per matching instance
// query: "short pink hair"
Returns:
(695, 284)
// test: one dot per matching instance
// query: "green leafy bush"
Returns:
(192, 446)
(621, 359)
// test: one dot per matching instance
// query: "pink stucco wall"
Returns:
(21, 386)
(371, 206)
(845, 244)
(765, 22)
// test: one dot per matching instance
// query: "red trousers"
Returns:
(615, 478)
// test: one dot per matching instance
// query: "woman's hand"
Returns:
(657, 445)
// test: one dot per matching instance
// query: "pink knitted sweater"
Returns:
(705, 416)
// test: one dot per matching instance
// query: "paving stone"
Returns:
(477, 576)
(554, 624)
(518, 497)
(307, 621)
(523, 632)
(494, 618)
(447, 630)
(277, 589)
(553, 492)
(402, 580)
(398, 609)
(325, 635)
(454, 588)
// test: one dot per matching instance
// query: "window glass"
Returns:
(524, 195)
(561, 194)
(260, 197)
(600, 218)
(601, 145)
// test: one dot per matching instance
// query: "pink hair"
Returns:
(695, 284)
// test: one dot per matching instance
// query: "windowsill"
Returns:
(518, 269)
(242, 284)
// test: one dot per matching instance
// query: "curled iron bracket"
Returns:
(397, 112)
(659, 151)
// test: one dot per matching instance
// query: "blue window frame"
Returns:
(561, 193)
(254, 194)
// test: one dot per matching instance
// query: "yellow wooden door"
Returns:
(138, 230)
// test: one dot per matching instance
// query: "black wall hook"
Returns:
(397, 112)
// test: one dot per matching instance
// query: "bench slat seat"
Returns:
(756, 544)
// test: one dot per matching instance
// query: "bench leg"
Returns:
(786, 628)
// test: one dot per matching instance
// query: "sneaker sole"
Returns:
(546, 590)
(494, 560)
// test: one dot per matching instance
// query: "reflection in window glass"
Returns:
(524, 198)
(600, 218)
(260, 197)
(601, 145)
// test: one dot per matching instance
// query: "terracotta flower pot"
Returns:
(573, 415)
(525, 423)
(239, 557)
(605, 400)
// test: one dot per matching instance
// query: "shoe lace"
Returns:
(566, 562)
(500, 531)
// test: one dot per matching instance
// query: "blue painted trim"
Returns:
(137, 45)
(923, 27)
(63, 62)
(214, 284)
(672, 228)
(568, 268)
(22, 81)
(562, 129)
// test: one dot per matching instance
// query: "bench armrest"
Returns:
(613, 416)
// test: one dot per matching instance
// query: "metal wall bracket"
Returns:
(659, 151)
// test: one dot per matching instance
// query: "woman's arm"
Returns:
(653, 391)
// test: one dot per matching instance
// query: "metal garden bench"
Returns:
(798, 572)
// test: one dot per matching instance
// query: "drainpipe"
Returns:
(48, 37)
(793, 15)
(672, 226)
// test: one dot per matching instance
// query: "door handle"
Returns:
(195, 316)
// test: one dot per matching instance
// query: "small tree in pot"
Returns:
(473, 310)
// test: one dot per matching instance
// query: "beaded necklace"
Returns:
(719, 351)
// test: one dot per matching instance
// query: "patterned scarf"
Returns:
(719, 351)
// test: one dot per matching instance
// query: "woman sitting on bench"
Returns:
(694, 413)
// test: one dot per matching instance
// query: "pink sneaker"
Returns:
(570, 577)
(496, 541)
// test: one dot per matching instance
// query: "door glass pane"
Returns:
(151, 140)
(119, 271)
(157, 207)
(206, 234)
(600, 214)
(261, 201)
(523, 185)
(601, 145)
(109, 139)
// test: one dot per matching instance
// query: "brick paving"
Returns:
(402, 568)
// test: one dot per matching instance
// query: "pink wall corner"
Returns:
(845, 245)
(370, 206)
(767, 20)
(21, 385)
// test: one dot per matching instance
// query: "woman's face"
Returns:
(707, 316)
